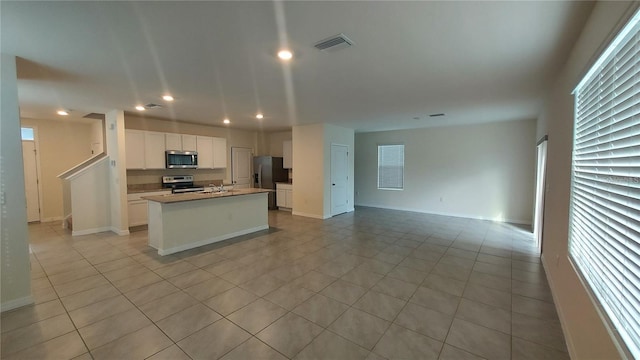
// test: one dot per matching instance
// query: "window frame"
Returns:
(379, 148)
(628, 342)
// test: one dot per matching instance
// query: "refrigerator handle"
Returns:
(260, 176)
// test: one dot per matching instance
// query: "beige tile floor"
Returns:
(372, 284)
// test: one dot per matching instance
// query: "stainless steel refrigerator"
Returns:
(267, 171)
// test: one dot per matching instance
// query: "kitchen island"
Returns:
(179, 222)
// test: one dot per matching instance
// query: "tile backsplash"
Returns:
(137, 177)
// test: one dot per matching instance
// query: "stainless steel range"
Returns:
(180, 184)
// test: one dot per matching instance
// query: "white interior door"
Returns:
(241, 160)
(31, 180)
(339, 179)
(540, 187)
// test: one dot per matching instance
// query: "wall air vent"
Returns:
(334, 43)
(95, 116)
(152, 106)
(436, 115)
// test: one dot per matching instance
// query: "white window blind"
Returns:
(604, 228)
(391, 167)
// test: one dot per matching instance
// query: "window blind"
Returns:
(391, 167)
(604, 228)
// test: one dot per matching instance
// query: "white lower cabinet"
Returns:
(137, 212)
(138, 207)
(284, 195)
(281, 198)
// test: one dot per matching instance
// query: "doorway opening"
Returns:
(241, 161)
(541, 170)
(31, 163)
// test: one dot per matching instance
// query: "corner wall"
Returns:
(480, 171)
(586, 334)
(114, 134)
(308, 162)
(15, 282)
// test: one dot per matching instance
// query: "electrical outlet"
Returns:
(557, 259)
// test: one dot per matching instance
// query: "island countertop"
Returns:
(174, 198)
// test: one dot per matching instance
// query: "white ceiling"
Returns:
(475, 61)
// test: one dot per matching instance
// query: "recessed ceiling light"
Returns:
(63, 112)
(259, 116)
(285, 54)
(167, 98)
(226, 121)
(140, 108)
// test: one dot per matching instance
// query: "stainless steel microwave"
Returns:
(176, 159)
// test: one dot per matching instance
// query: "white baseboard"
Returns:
(65, 221)
(567, 335)
(314, 216)
(422, 211)
(119, 232)
(176, 249)
(14, 304)
(51, 219)
(90, 231)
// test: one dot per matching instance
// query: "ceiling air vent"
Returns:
(436, 115)
(334, 43)
(94, 116)
(152, 106)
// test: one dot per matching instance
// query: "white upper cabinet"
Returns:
(134, 148)
(189, 143)
(181, 142)
(287, 154)
(204, 146)
(219, 153)
(146, 149)
(154, 147)
(173, 141)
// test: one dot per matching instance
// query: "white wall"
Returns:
(114, 128)
(91, 199)
(308, 162)
(15, 282)
(63, 145)
(97, 137)
(275, 142)
(585, 332)
(480, 171)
